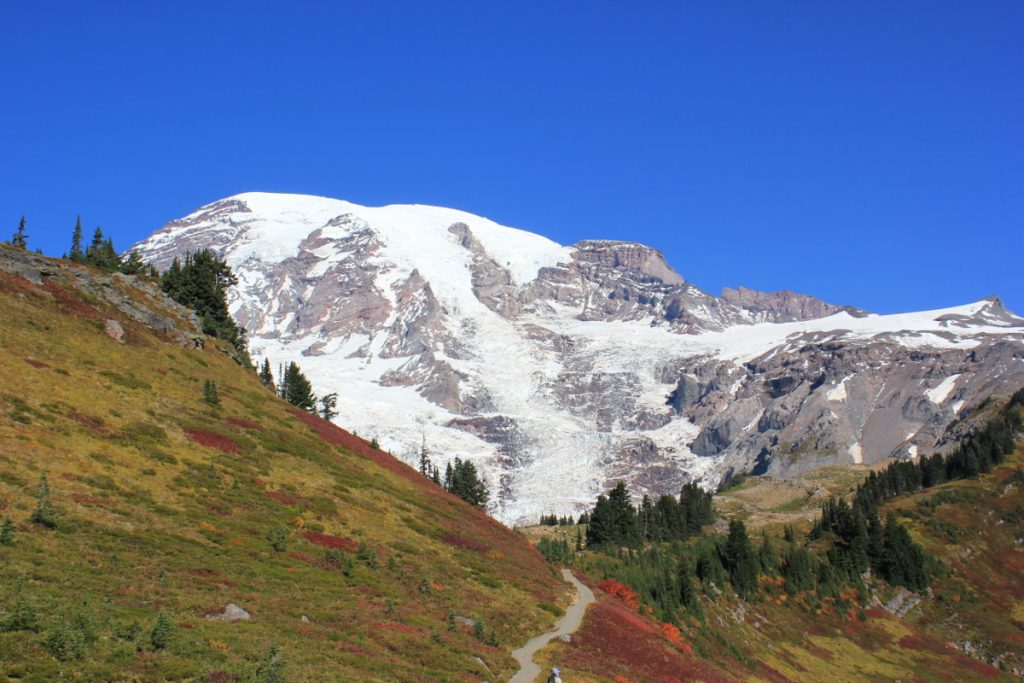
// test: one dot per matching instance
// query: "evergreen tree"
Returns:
(296, 388)
(44, 513)
(201, 284)
(426, 467)
(464, 481)
(327, 406)
(20, 238)
(101, 253)
(162, 633)
(132, 264)
(210, 394)
(77, 255)
(741, 560)
(266, 376)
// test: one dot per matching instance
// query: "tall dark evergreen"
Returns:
(101, 252)
(266, 376)
(328, 404)
(463, 480)
(20, 238)
(201, 284)
(297, 389)
(77, 254)
(741, 559)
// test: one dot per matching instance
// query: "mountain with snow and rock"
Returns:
(558, 370)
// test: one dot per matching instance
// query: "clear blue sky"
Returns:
(869, 153)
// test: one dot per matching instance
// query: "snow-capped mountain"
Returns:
(559, 369)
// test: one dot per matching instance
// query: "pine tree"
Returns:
(266, 376)
(210, 394)
(162, 633)
(7, 532)
(44, 513)
(77, 255)
(463, 480)
(201, 284)
(20, 239)
(741, 560)
(297, 389)
(327, 406)
(132, 264)
(425, 464)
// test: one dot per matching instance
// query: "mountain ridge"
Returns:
(579, 364)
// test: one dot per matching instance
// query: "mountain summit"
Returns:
(560, 369)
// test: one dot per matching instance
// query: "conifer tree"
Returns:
(296, 388)
(266, 376)
(201, 284)
(77, 255)
(426, 467)
(20, 238)
(162, 633)
(741, 560)
(327, 406)
(44, 513)
(210, 394)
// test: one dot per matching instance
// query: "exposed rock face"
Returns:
(132, 297)
(562, 369)
(784, 306)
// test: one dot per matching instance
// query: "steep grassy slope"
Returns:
(968, 626)
(166, 504)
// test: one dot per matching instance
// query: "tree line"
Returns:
(670, 564)
(615, 522)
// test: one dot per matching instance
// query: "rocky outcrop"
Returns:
(131, 297)
(783, 306)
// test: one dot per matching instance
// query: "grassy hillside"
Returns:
(352, 565)
(968, 626)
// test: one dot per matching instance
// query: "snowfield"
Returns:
(520, 365)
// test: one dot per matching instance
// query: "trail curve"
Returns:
(568, 624)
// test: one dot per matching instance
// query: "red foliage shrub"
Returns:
(94, 424)
(673, 636)
(221, 677)
(282, 497)
(621, 591)
(87, 500)
(211, 440)
(329, 541)
(615, 641)
(928, 644)
(468, 544)
(245, 424)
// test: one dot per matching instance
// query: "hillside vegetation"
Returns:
(788, 605)
(150, 481)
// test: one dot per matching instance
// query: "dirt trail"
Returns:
(569, 622)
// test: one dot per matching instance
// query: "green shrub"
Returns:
(163, 632)
(7, 532)
(278, 537)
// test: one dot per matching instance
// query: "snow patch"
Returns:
(942, 391)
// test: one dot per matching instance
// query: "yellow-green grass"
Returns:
(149, 519)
